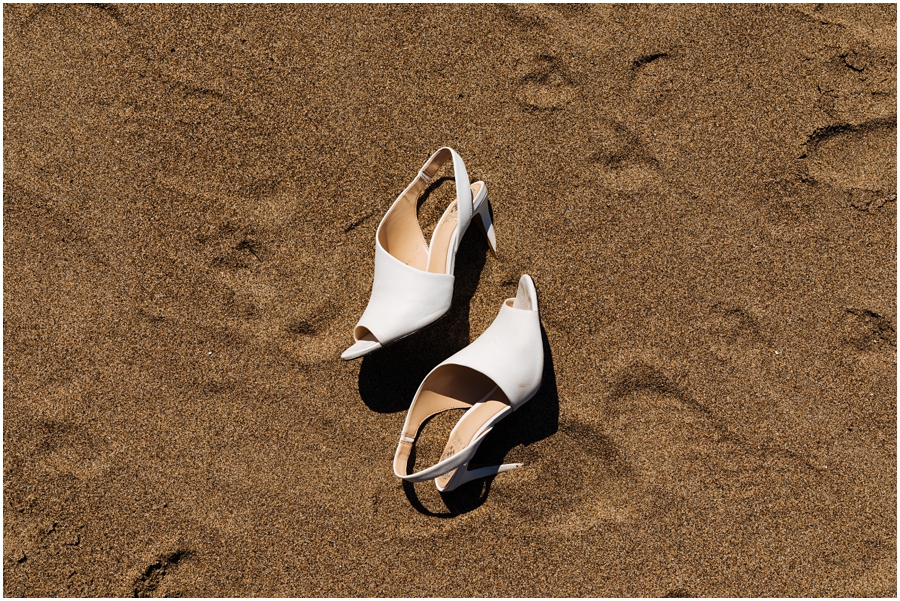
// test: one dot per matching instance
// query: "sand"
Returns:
(705, 197)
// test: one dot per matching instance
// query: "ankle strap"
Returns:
(463, 188)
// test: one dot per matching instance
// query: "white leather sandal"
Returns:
(492, 377)
(413, 283)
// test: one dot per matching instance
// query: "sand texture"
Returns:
(705, 197)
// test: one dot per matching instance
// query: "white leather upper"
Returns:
(404, 299)
(509, 352)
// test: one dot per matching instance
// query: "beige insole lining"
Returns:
(454, 387)
(465, 431)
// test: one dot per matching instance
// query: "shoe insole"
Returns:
(401, 235)
(457, 387)
(362, 333)
(467, 427)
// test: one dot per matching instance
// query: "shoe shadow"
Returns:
(389, 377)
(534, 421)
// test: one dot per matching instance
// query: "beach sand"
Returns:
(705, 197)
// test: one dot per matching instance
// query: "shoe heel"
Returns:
(486, 224)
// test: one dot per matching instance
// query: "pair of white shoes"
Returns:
(412, 288)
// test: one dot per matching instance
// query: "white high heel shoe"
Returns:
(413, 283)
(492, 377)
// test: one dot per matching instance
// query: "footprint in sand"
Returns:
(653, 80)
(652, 445)
(859, 160)
(856, 71)
(60, 443)
(791, 197)
(678, 593)
(544, 83)
(152, 581)
(874, 23)
(854, 81)
(580, 462)
(867, 331)
(235, 255)
(668, 438)
(231, 246)
(245, 254)
(238, 249)
(254, 292)
(731, 332)
(620, 160)
(314, 321)
(647, 444)
(36, 543)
